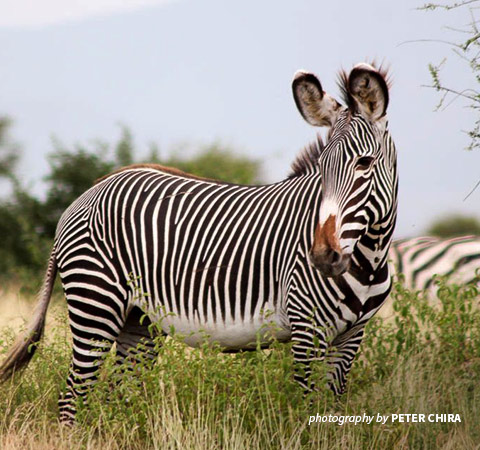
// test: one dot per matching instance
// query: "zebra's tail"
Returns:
(24, 347)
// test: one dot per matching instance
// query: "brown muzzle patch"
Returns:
(326, 237)
(326, 254)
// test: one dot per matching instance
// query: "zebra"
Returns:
(417, 262)
(420, 259)
(223, 262)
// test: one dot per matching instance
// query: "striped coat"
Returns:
(305, 259)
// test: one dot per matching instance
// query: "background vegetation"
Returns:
(454, 225)
(464, 50)
(28, 222)
(426, 361)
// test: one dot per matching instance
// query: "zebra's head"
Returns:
(357, 165)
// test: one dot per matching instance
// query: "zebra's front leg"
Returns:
(341, 359)
(309, 345)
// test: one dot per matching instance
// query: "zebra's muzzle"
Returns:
(329, 262)
(326, 254)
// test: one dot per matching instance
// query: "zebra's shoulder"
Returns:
(157, 168)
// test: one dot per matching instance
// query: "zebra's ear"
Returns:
(368, 90)
(316, 107)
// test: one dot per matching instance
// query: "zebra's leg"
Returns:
(137, 330)
(340, 361)
(96, 321)
(309, 345)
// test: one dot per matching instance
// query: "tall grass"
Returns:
(427, 360)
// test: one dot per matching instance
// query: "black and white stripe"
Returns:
(420, 259)
(308, 254)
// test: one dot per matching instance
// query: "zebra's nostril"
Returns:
(335, 257)
(327, 257)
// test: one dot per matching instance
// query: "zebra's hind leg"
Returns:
(136, 342)
(340, 361)
(96, 321)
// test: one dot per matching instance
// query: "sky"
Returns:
(195, 71)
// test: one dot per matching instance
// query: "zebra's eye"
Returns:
(364, 162)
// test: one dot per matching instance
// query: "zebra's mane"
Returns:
(305, 162)
(307, 159)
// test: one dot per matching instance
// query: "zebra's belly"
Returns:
(230, 335)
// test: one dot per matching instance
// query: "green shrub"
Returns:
(427, 360)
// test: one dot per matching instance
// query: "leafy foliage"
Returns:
(28, 223)
(214, 161)
(71, 174)
(455, 225)
(427, 360)
(9, 151)
(124, 149)
(467, 50)
(20, 213)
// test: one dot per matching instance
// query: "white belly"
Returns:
(232, 335)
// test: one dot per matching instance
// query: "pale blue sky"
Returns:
(198, 70)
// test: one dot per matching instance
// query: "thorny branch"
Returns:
(467, 50)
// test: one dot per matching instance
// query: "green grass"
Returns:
(427, 360)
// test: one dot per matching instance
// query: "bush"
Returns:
(425, 361)
(456, 225)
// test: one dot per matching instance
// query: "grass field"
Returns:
(423, 360)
